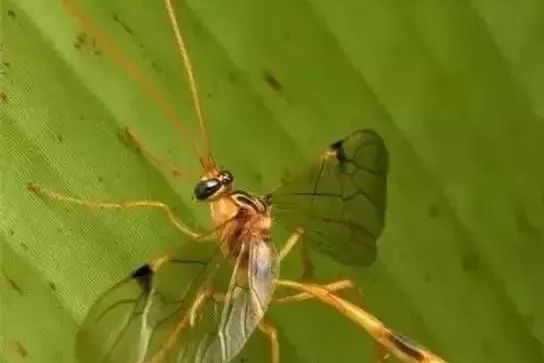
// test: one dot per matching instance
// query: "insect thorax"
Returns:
(247, 219)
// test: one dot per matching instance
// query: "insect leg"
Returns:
(397, 345)
(148, 154)
(203, 296)
(307, 266)
(301, 296)
(381, 352)
(291, 242)
(188, 320)
(116, 205)
(272, 332)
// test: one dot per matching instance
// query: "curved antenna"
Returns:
(111, 50)
(208, 162)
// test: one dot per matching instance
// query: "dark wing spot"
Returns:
(406, 347)
(272, 81)
(144, 276)
(339, 152)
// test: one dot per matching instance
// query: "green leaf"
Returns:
(455, 88)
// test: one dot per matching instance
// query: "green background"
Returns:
(456, 88)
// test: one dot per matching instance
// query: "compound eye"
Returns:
(206, 188)
(226, 177)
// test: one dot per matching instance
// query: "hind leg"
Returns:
(272, 332)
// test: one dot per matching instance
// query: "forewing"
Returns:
(145, 318)
(340, 201)
(126, 324)
(246, 301)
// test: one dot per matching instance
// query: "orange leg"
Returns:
(291, 242)
(381, 352)
(190, 318)
(307, 267)
(116, 205)
(301, 296)
(392, 342)
(187, 321)
(272, 332)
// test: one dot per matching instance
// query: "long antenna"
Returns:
(189, 72)
(111, 50)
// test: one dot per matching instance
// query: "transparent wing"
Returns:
(147, 317)
(123, 324)
(246, 301)
(340, 201)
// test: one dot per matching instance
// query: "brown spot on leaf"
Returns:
(123, 24)
(272, 81)
(81, 42)
(156, 67)
(3, 69)
(13, 347)
(14, 285)
(20, 349)
(3, 97)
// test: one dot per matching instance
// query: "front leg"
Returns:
(133, 204)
